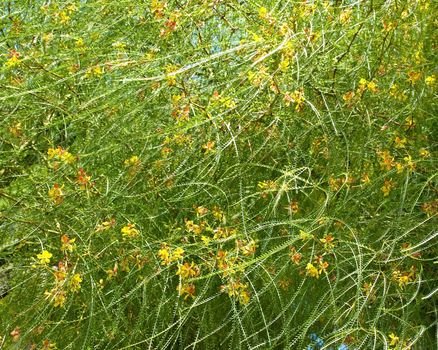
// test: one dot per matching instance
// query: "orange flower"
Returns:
(296, 258)
(83, 179)
(413, 77)
(67, 244)
(327, 241)
(201, 211)
(293, 207)
(186, 290)
(386, 160)
(15, 334)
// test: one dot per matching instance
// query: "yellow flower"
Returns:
(164, 255)
(409, 123)
(75, 282)
(372, 86)
(403, 279)
(327, 241)
(363, 84)
(133, 165)
(312, 270)
(284, 65)
(59, 300)
(63, 17)
(424, 153)
(430, 80)
(186, 290)
(244, 297)
(56, 194)
(208, 147)
(399, 167)
(96, 71)
(187, 270)
(57, 297)
(297, 96)
(218, 213)
(157, 8)
(118, 45)
(394, 339)
(304, 236)
(345, 15)
(52, 152)
(177, 254)
(12, 62)
(224, 232)
(413, 77)
(129, 231)
(267, 185)
(67, 244)
(133, 161)
(387, 187)
(409, 163)
(237, 290)
(386, 160)
(246, 247)
(44, 257)
(365, 178)
(60, 154)
(263, 12)
(195, 228)
(80, 42)
(400, 142)
(205, 239)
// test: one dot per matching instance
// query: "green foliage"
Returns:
(218, 174)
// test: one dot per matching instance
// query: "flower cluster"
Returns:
(167, 255)
(59, 154)
(317, 268)
(367, 85)
(236, 289)
(65, 278)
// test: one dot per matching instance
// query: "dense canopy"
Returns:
(211, 174)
